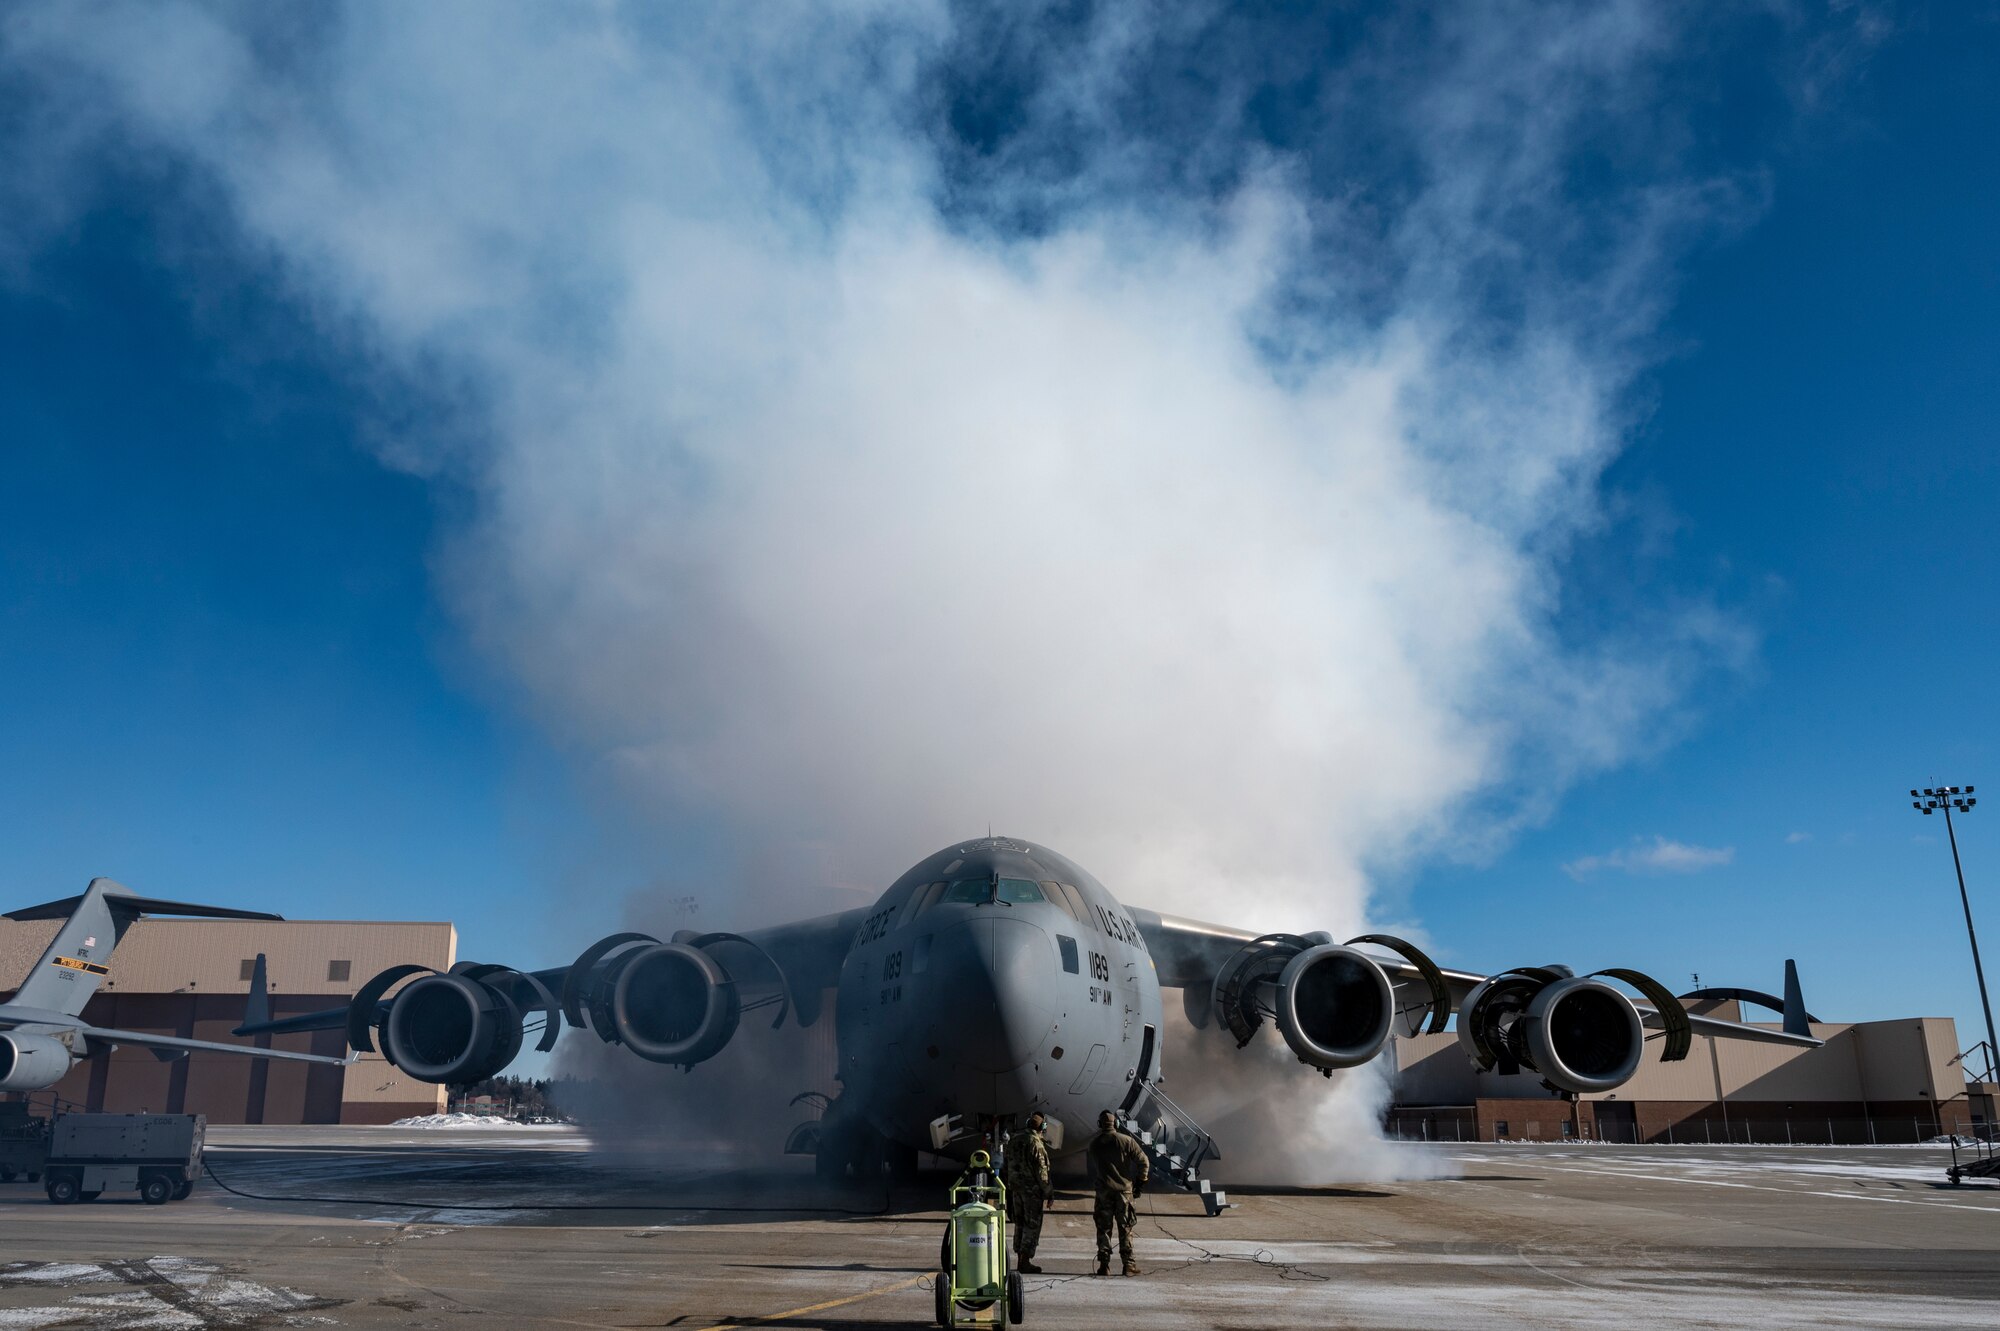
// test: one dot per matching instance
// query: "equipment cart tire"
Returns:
(63, 1190)
(181, 1193)
(6, 1174)
(943, 1313)
(156, 1189)
(1014, 1309)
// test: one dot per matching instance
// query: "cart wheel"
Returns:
(943, 1301)
(63, 1191)
(181, 1193)
(156, 1191)
(6, 1174)
(1014, 1308)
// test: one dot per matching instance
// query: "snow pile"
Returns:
(455, 1121)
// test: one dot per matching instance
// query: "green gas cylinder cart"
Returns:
(974, 1286)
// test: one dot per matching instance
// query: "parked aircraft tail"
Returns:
(1796, 1019)
(78, 959)
(257, 1008)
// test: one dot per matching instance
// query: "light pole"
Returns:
(1927, 802)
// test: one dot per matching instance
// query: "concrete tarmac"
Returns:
(1517, 1236)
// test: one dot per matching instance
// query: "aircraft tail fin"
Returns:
(76, 961)
(1796, 1020)
(257, 1008)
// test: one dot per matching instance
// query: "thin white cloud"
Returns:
(1797, 838)
(1659, 855)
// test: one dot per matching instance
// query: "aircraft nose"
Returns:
(1000, 990)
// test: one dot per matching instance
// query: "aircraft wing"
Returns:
(175, 1044)
(803, 956)
(1190, 953)
(810, 953)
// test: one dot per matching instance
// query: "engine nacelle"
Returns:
(1334, 1006)
(1581, 1034)
(451, 1028)
(667, 1002)
(31, 1062)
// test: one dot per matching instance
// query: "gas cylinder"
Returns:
(979, 1253)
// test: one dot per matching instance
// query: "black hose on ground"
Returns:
(220, 1182)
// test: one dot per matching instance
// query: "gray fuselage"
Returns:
(994, 978)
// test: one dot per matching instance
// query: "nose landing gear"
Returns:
(844, 1146)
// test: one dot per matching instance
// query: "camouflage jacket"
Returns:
(1028, 1164)
(1116, 1162)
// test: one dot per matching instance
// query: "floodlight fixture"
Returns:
(1949, 798)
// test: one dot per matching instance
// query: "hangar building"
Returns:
(1872, 1081)
(191, 978)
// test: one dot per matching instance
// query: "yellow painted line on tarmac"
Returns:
(815, 1307)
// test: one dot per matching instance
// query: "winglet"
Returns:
(256, 1008)
(1796, 1020)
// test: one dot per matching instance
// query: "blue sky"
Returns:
(270, 638)
(1823, 445)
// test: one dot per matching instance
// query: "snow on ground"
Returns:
(158, 1294)
(467, 1121)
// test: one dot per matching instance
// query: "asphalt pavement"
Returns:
(373, 1227)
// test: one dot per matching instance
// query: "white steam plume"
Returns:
(892, 421)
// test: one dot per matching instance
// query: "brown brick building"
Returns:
(1872, 1081)
(191, 978)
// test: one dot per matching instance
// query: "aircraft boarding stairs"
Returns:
(1980, 1159)
(1175, 1145)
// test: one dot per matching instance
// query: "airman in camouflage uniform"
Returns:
(1027, 1189)
(1119, 1169)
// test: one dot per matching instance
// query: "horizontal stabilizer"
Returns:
(154, 906)
(124, 902)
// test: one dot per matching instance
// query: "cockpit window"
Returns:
(1054, 892)
(1020, 891)
(1077, 905)
(922, 899)
(968, 892)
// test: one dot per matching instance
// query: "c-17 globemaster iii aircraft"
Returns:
(997, 977)
(42, 1031)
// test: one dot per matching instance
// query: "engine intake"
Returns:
(1333, 1006)
(451, 1028)
(1581, 1034)
(31, 1062)
(670, 1003)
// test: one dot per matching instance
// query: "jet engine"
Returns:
(671, 1002)
(1334, 1006)
(457, 1026)
(668, 1003)
(1581, 1034)
(451, 1028)
(31, 1062)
